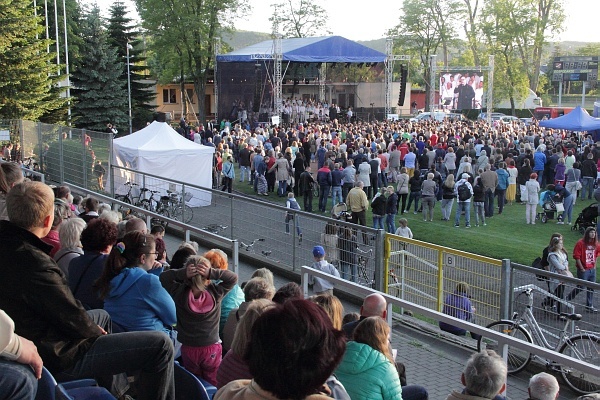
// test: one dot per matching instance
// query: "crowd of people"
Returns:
(405, 166)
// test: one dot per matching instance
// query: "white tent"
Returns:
(159, 150)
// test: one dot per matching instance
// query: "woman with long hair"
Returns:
(367, 369)
(135, 299)
(447, 197)
(558, 262)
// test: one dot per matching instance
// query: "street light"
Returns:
(129, 47)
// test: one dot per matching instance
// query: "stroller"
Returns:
(550, 205)
(340, 212)
(587, 218)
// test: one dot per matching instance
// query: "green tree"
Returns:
(424, 26)
(185, 31)
(503, 23)
(100, 96)
(299, 18)
(121, 33)
(26, 81)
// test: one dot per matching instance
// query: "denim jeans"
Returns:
(501, 195)
(336, 193)
(479, 208)
(17, 381)
(323, 196)
(243, 172)
(290, 218)
(587, 183)
(150, 354)
(348, 271)
(567, 215)
(282, 188)
(489, 202)
(586, 275)
(390, 223)
(378, 221)
(447, 208)
(413, 196)
(460, 207)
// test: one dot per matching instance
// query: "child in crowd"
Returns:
(198, 303)
(320, 285)
(404, 230)
(292, 204)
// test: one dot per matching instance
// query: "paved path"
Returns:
(431, 360)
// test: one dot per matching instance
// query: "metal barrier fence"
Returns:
(266, 232)
(423, 273)
(586, 368)
(61, 153)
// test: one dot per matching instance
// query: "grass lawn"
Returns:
(505, 236)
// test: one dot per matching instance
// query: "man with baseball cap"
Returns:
(320, 285)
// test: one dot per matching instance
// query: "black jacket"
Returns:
(34, 293)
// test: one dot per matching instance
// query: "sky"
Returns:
(366, 23)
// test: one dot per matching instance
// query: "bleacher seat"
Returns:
(82, 389)
(188, 385)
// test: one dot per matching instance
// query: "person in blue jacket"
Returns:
(135, 299)
(367, 370)
(502, 186)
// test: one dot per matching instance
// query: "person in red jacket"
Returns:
(586, 253)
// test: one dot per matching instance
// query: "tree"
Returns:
(424, 26)
(100, 96)
(121, 34)
(185, 30)
(503, 22)
(26, 81)
(299, 18)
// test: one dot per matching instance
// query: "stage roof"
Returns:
(312, 49)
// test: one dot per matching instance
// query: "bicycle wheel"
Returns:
(183, 211)
(145, 204)
(585, 348)
(517, 359)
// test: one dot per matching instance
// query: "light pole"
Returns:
(129, 86)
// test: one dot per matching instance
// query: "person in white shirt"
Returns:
(403, 230)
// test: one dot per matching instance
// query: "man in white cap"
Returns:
(464, 192)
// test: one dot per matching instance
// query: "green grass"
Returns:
(505, 236)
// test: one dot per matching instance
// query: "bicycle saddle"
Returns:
(572, 317)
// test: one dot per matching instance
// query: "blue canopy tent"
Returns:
(245, 76)
(577, 120)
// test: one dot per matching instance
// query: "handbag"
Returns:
(578, 185)
(559, 207)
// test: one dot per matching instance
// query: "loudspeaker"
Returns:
(403, 80)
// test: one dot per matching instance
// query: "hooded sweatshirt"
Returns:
(138, 302)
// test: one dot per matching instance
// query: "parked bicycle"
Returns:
(250, 247)
(583, 345)
(174, 206)
(215, 228)
(127, 198)
(363, 275)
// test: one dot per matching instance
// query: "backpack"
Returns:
(464, 193)
(537, 263)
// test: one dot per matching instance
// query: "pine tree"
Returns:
(26, 82)
(100, 96)
(121, 33)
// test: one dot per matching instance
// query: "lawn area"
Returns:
(505, 236)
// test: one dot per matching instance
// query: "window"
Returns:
(170, 96)
(190, 95)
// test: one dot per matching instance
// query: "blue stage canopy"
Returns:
(577, 120)
(327, 49)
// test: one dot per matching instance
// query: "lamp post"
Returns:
(129, 86)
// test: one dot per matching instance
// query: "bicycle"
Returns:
(215, 228)
(175, 208)
(363, 259)
(250, 247)
(583, 345)
(127, 198)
